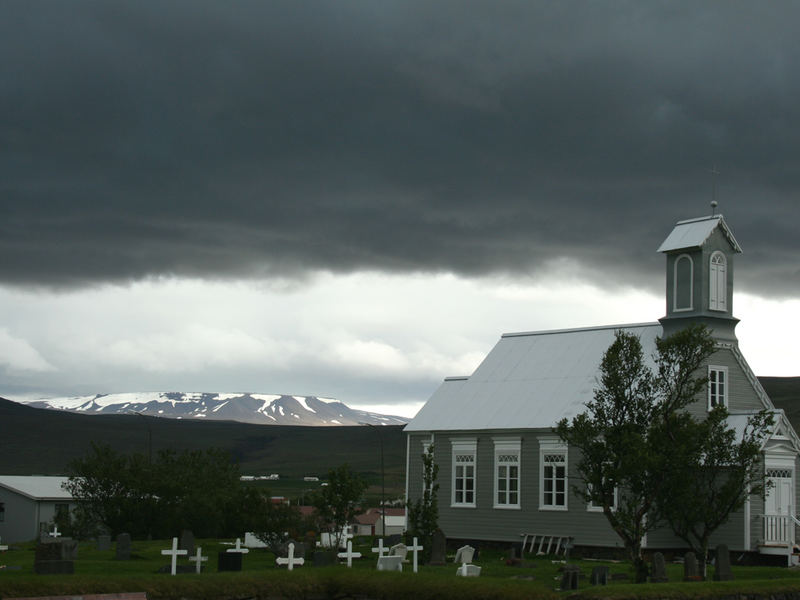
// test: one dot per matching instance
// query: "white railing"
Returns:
(778, 529)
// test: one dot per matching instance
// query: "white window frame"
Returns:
(460, 450)
(507, 456)
(675, 307)
(718, 281)
(553, 447)
(714, 395)
(592, 507)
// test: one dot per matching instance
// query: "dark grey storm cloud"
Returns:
(236, 139)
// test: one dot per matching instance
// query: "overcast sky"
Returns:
(355, 199)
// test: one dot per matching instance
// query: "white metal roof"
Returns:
(692, 233)
(37, 487)
(528, 380)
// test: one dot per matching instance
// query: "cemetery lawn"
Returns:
(99, 572)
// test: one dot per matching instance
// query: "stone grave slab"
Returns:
(399, 550)
(324, 559)
(466, 570)
(691, 571)
(229, 561)
(48, 559)
(659, 574)
(123, 546)
(599, 575)
(722, 564)
(104, 543)
(390, 563)
(187, 541)
(569, 577)
(464, 554)
(438, 548)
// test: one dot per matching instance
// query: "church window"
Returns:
(552, 475)
(592, 507)
(506, 473)
(717, 386)
(682, 283)
(464, 460)
(718, 282)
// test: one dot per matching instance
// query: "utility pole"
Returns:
(383, 478)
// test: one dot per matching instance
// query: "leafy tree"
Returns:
(423, 513)
(195, 490)
(716, 475)
(635, 416)
(275, 524)
(336, 503)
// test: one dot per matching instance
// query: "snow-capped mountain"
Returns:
(247, 408)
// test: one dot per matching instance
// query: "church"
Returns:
(505, 476)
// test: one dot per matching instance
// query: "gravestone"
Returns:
(290, 561)
(400, 550)
(49, 560)
(123, 546)
(104, 543)
(198, 559)
(174, 553)
(238, 548)
(299, 548)
(569, 577)
(415, 549)
(187, 541)
(722, 564)
(390, 563)
(659, 569)
(324, 559)
(394, 539)
(464, 554)
(690, 570)
(69, 549)
(466, 570)
(438, 548)
(229, 561)
(349, 555)
(599, 575)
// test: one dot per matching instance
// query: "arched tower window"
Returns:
(718, 282)
(682, 291)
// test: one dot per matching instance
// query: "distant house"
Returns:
(503, 473)
(371, 523)
(28, 505)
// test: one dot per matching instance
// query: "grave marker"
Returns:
(380, 549)
(722, 564)
(600, 575)
(229, 561)
(399, 550)
(349, 554)
(415, 548)
(174, 552)
(187, 541)
(390, 563)
(324, 559)
(238, 548)
(466, 570)
(464, 554)
(438, 548)
(55, 533)
(124, 546)
(49, 559)
(659, 569)
(690, 569)
(569, 577)
(289, 561)
(199, 559)
(104, 543)
(2, 547)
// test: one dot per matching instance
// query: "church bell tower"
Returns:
(700, 256)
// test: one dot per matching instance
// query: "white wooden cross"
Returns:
(199, 559)
(55, 533)
(238, 548)
(290, 561)
(380, 549)
(415, 548)
(349, 555)
(174, 553)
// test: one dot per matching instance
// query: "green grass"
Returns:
(99, 572)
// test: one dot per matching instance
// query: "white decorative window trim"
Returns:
(675, 307)
(507, 473)
(591, 507)
(718, 386)
(718, 282)
(464, 473)
(553, 454)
